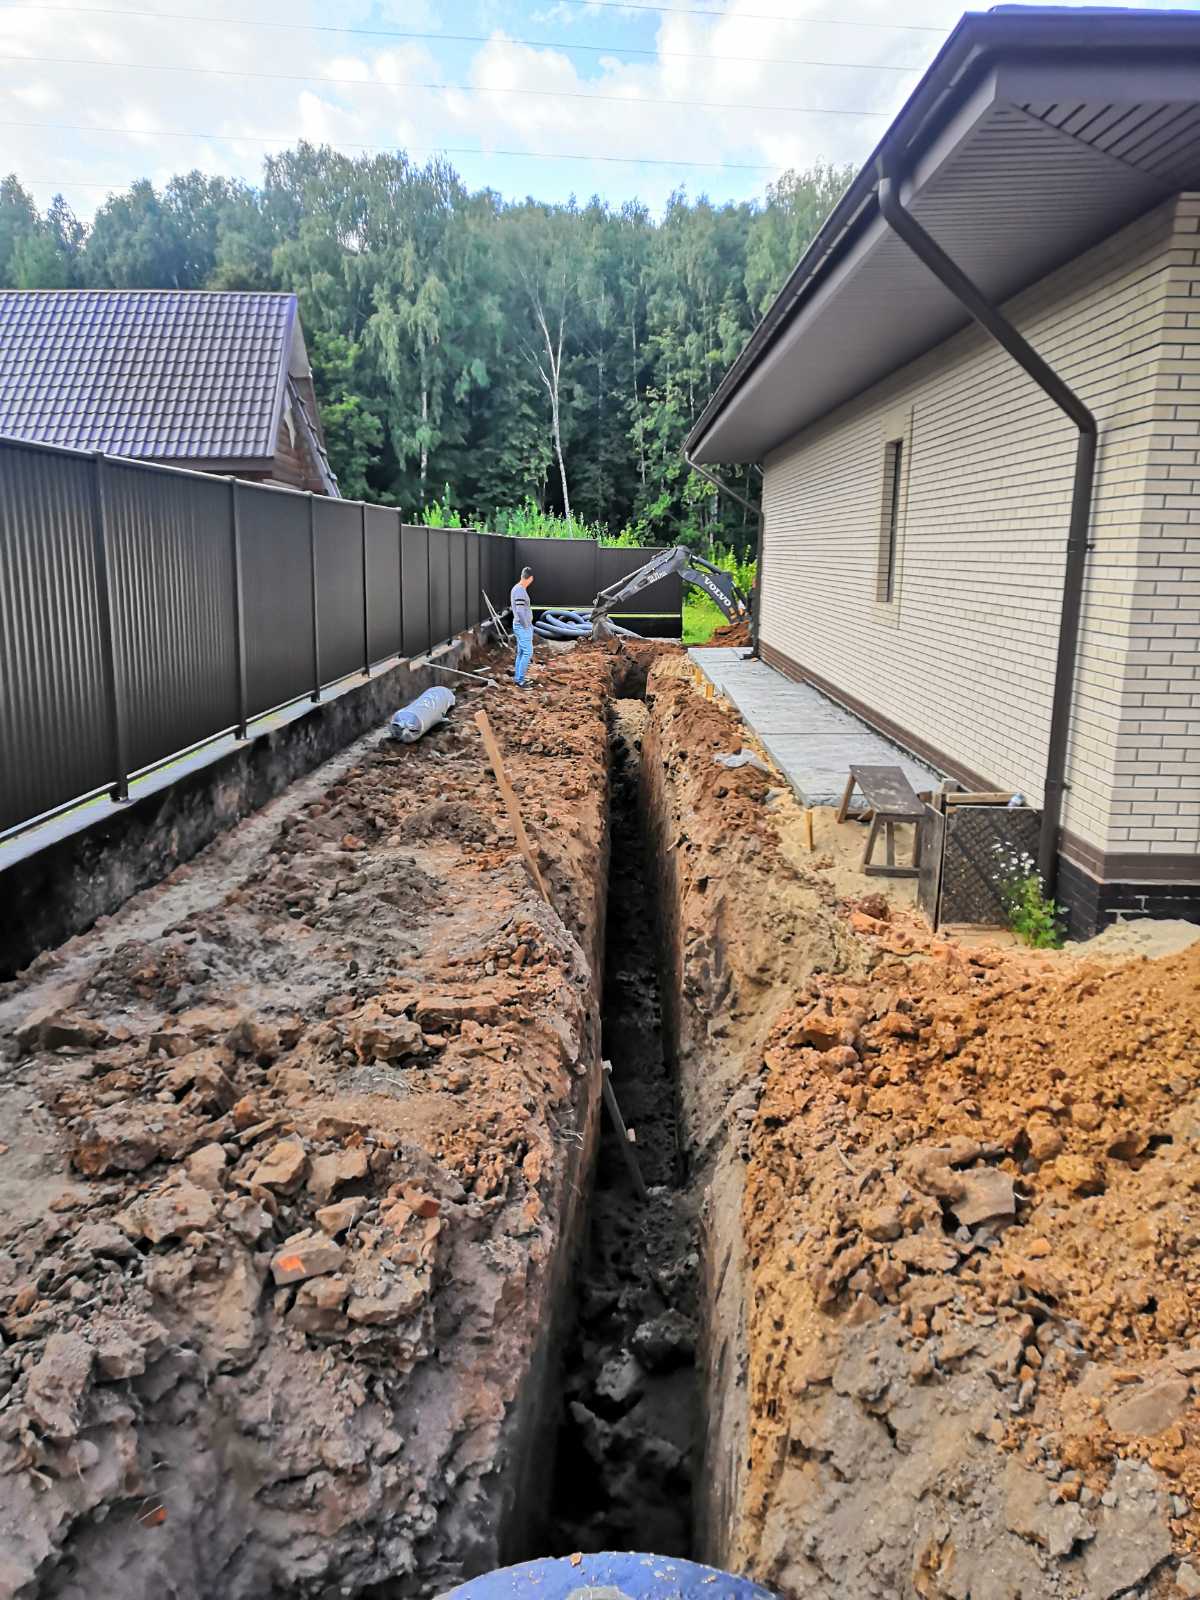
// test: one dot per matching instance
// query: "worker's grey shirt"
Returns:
(521, 609)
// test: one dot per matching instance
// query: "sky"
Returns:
(545, 97)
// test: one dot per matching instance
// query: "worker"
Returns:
(522, 613)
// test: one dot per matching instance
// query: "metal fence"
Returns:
(145, 610)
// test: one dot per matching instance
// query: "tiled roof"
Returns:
(161, 374)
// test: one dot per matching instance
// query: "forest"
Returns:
(475, 358)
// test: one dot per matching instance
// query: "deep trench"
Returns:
(629, 1428)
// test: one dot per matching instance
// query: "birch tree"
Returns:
(540, 241)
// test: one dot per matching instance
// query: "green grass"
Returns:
(701, 618)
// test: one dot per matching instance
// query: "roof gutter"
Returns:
(1038, 32)
(971, 298)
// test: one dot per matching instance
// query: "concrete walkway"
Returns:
(811, 740)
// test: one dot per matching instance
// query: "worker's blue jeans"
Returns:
(524, 652)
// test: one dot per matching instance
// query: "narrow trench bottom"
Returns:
(629, 1429)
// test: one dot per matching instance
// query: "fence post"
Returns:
(312, 561)
(400, 584)
(428, 593)
(114, 679)
(362, 509)
(239, 609)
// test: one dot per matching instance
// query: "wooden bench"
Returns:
(890, 799)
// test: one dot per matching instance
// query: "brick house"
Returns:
(216, 381)
(945, 550)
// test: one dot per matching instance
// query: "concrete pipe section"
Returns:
(614, 1575)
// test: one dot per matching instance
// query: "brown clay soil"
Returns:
(304, 1162)
(968, 1224)
(973, 1187)
(731, 634)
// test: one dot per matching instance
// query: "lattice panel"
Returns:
(975, 837)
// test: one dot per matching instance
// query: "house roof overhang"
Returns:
(1035, 134)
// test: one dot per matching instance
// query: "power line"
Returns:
(76, 183)
(461, 88)
(750, 16)
(457, 38)
(447, 150)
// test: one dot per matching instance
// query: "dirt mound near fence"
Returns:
(314, 1161)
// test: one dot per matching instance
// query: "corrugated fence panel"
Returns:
(664, 597)
(475, 610)
(439, 585)
(459, 538)
(487, 569)
(171, 575)
(170, 543)
(339, 586)
(277, 583)
(564, 571)
(414, 589)
(383, 581)
(509, 567)
(55, 731)
(498, 556)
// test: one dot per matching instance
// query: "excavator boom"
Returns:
(704, 575)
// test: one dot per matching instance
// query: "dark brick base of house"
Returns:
(1092, 904)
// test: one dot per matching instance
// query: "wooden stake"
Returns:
(618, 1122)
(509, 797)
(808, 828)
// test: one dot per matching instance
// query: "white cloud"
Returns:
(601, 105)
(37, 96)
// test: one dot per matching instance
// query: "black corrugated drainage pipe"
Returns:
(907, 228)
(757, 511)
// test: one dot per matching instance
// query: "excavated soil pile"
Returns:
(731, 634)
(288, 1326)
(951, 1348)
(973, 1209)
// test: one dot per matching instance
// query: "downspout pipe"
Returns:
(757, 512)
(973, 300)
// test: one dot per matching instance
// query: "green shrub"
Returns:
(441, 514)
(1033, 916)
(529, 521)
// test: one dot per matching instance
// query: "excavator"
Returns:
(596, 623)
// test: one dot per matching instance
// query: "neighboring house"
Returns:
(216, 381)
(918, 484)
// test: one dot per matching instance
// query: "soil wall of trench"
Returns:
(293, 1166)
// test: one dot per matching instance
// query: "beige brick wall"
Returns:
(964, 656)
